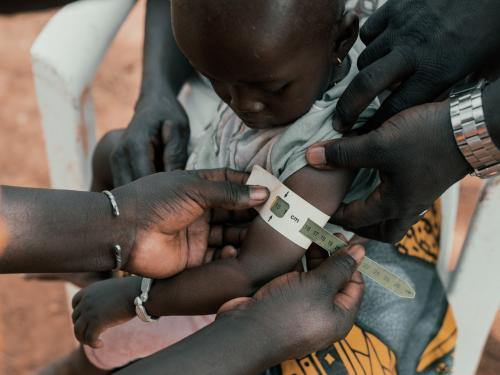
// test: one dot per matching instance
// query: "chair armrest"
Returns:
(65, 57)
(74, 41)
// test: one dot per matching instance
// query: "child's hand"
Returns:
(104, 305)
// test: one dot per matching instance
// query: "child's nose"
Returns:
(247, 106)
(242, 102)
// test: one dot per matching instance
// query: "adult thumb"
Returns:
(351, 152)
(232, 196)
(338, 269)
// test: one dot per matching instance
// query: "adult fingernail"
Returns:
(357, 252)
(258, 193)
(316, 156)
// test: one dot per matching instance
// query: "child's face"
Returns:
(268, 77)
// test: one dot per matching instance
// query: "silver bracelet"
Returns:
(114, 205)
(117, 249)
(140, 309)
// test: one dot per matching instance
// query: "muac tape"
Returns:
(303, 224)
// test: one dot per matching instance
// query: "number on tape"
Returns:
(368, 267)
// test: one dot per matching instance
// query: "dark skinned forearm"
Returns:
(216, 349)
(165, 69)
(491, 104)
(265, 254)
(60, 231)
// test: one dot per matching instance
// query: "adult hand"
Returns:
(417, 159)
(156, 140)
(329, 296)
(291, 316)
(425, 46)
(173, 217)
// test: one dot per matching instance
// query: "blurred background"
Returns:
(35, 326)
(35, 316)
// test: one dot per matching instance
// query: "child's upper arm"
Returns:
(325, 190)
(265, 252)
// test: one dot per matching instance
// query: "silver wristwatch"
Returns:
(139, 301)
(471, 133)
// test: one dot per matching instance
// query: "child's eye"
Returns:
(277, 90)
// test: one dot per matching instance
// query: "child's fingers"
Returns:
(92, 334)
(209, 255)
(226, 235)
(228, 252)
(222, 216)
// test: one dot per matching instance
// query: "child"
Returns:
(279, 66)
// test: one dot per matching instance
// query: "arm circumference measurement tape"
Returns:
(303, 224)
(367, 267)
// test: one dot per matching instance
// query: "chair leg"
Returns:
(473, 290)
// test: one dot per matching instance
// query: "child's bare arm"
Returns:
(265, 254)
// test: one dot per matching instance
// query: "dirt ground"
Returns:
(34, 317)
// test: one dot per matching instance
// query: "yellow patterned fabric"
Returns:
(422, 240)
(360, 352)
(364, 353)
(441, 345)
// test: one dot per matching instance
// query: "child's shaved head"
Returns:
(263, 18)
(268, 59)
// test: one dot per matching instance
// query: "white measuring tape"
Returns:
(303, 224)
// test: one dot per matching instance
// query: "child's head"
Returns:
(268, 59)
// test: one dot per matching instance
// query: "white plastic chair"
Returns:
(65, 57)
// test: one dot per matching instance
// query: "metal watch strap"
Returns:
(471, 133)
(139, 301)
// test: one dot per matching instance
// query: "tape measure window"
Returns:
(280, 207)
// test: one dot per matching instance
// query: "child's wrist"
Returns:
(132, 289)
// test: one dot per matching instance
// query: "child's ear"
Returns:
(347, 34)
